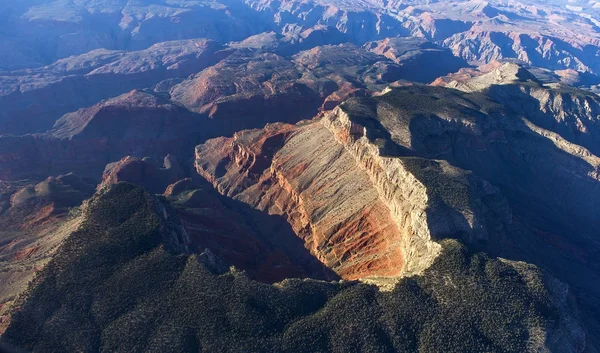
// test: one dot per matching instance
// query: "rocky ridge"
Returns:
(239, 92)
(127, 234)
(442, 163)
(35, 219)
(333, 183)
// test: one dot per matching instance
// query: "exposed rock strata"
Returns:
(328, 200)
(344, 198)
(425, 153)
(251, 88)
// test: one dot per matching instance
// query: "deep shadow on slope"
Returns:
(122, 284)
(518, 100)
(263, 245)
(555, 219)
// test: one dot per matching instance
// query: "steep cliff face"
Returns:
(549, 179)
(303, 174)
(428, 163)
(362, 213)
(126, 278)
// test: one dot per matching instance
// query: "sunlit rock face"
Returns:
(429, 163)
(360, 211)
(329, 201)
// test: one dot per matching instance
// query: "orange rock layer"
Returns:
(304, 174)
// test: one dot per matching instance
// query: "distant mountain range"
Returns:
(557, 35)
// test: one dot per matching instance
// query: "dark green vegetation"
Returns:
(114, 287)
(492, 136)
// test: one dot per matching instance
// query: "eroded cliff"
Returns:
(361, 212)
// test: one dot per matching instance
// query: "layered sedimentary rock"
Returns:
(326, 198)
(416, 159)
(362, 213)
(550, 180)
(247, 90)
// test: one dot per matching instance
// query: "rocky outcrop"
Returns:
(240, 92)
(416, 159)
(327, 200)
(536, 32)
(551, 183)
(360, 212)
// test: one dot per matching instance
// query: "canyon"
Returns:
(394, 174)
(300, 176)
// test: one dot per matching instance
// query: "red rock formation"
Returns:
(306, 176)
(253, 242)
(32, 100)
